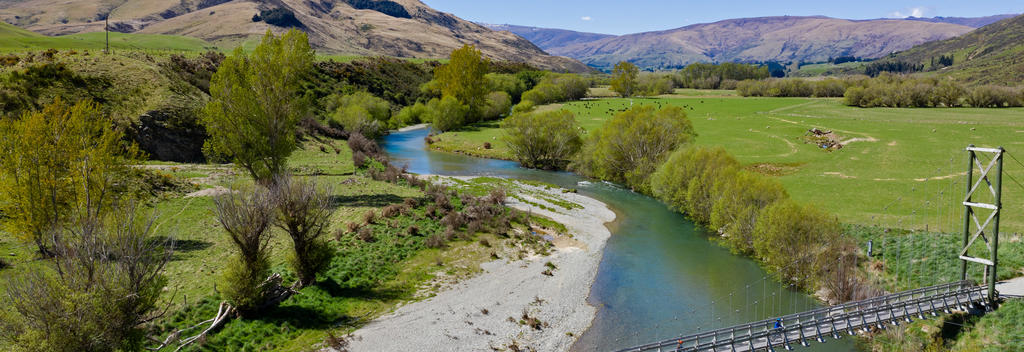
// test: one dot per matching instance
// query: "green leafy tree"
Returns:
(671, 182)
(507, 83)
(255, 103)
(542, 139)
(652, 84)
(463, 78)
(740, 198)
(498, 104)
(624, 78)
(409, 115)
(446, 114)
(57, 165)
(360, 112)
(790, 236)
(632, 144)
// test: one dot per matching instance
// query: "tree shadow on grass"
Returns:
(183, 246)
(332, 288)
(479, 126)
(365, 200)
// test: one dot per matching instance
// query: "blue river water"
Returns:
(660, 276)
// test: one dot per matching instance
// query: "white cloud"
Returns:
(909, 12)
(586, 18)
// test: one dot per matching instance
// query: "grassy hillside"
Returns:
(13, 38)
(410, 29)
(993, 54)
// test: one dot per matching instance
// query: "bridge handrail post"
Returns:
(878, 318)
(750, 341)
(817, 328)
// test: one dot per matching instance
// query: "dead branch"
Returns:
(276, 293)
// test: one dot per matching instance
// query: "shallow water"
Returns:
(660, 276)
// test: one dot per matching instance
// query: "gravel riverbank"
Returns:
(484, 312)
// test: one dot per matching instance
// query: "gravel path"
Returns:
(474, 315)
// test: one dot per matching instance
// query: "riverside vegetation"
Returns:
(742, 199)
(304, 240)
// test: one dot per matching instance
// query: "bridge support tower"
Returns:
(991, 178)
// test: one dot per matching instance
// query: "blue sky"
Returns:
(621, 17)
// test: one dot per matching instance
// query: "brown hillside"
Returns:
(334, 26)
(762, 39)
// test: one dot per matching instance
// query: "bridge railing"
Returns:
(826, 320)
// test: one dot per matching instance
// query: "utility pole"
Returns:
(106, 30)
(970, 214)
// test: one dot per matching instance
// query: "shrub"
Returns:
(360, 112)
(557, 87)
(829, 88)
(410, 115)
(365, 234)
(671, 182)
(651, 84)
(542, 139)
(446, 114)
(247, 219)
(363, 149)
(630, 146)
(386, 7)
(510, 84)
(993, 97)
(739, 198)
(498, 104)
(716, 76)
(390, 211)
(369, 217)
(303, 211)
(280, 17)
(496, 196)
(948, 94)
(434, 241)
(789, 237)
(107, 286)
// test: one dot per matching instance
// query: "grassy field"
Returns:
(14, 39)
(898, 167)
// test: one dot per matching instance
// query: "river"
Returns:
(660, 277)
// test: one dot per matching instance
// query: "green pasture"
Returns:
(14, 39)
(898, 167)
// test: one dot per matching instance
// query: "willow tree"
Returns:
(624, 79)
(255, 104)
(58, 165)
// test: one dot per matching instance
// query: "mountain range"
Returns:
(400, 28)
(780, 38)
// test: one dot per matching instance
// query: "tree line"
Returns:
(627, 80)
(889, 90)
